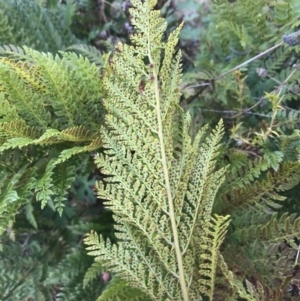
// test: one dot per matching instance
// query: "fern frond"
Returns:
(44, 185)
(68, 153)
(118, 290)
(24, 22)
(273, 232)
(49, 108)
(71, 266)
(245, 174)
(214, 235)
(88, 51)
(71, 80)
(161, 184)
(250, 291)
(93, 272)
(46, 90)
(286, 13)
(13, 52)
(65, 176)
(287, 119)
(10, 199)
(265, 193)
(30, 74)
(235, 282)
(9, 113)
(290, 145)
(20, 95)
(15, 143)
(236, 23)
(28, 208)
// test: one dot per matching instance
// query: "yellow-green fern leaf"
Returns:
(214, 234)
(161, 183)
(68, 153)
(235, 282)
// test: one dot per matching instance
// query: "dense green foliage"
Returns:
(72, 119)
(50, 115)
(28, 23)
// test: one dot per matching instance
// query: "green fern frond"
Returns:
(15, 143)
(240, 31)
(75, 134)
(246, 173)
(290, 145)
(28, 208)
(44, 185)
(88, 51)
(68, 153)
(50, 137)
(279, 57)
(288, 119)
(17, 129)
(10, 199)
(65, 176)
(94, 271)
(45, 90)
(21, 96)
(49, 108)
(13, 52)
(265, 193)
(276, 230)
(30, 74)
(9, 113)
(161, 184)
(214, 235)
(118, 290)
(236, 283)
(236, 23)
(24, 22)
(68, 11)
(286, 13)
(249, 291)
(70, 267)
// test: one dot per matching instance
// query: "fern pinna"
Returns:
(161, 184)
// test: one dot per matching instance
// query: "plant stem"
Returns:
(167, 180)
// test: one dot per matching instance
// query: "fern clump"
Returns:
(161, 183)
(50, 115)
